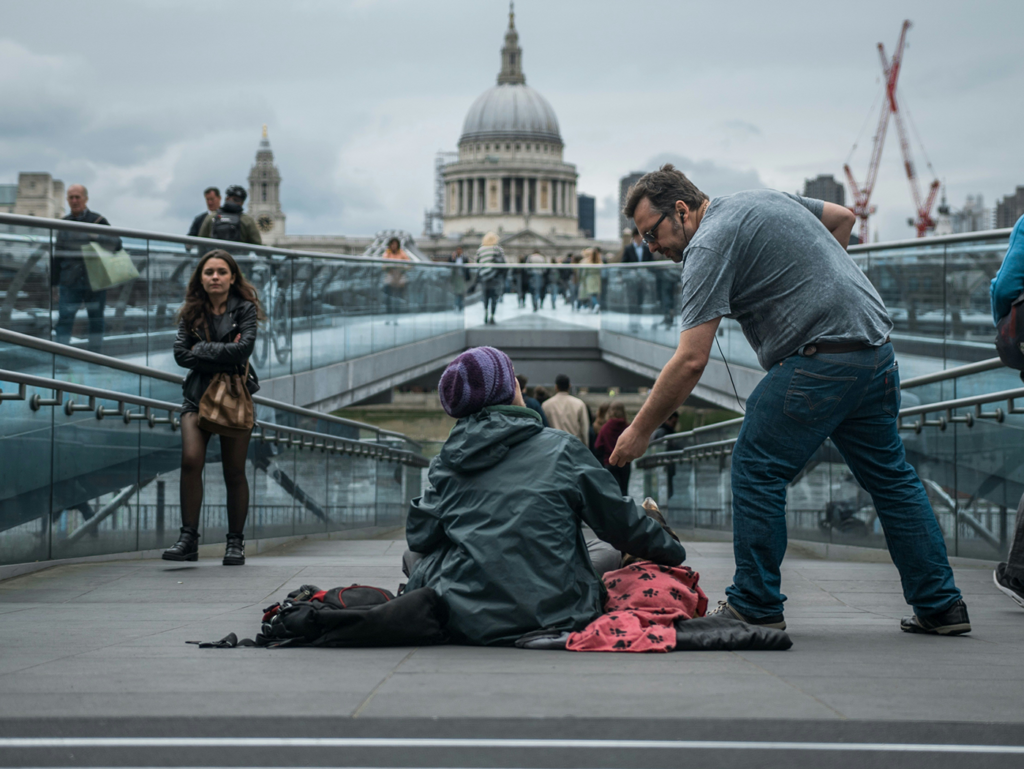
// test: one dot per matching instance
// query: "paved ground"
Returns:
(106, 641)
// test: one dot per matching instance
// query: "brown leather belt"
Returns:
(834, 348)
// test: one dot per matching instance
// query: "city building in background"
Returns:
(825, 187)
(1010, 209)
(35, 194)
(509, 176)
(586, 217)
(625, 183)
(264, 194)
(973, 217)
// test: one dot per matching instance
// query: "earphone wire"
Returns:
(729, 371)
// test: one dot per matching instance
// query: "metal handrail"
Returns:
(35, 222)
(934, 240)
(697, 431)
(38, 223)
(938, 376)
(327, 442)
(952, 373)
(54, 348)
(718, 448)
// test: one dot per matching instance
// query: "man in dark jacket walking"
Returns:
(500, 525)
(212, 195)
(69, 275)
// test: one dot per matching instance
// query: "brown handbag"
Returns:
(226, 406)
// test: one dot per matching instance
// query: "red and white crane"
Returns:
(891, 106)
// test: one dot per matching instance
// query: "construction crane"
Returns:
(890, 106)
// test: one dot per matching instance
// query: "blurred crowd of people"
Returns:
(598, 432)
(552, 277)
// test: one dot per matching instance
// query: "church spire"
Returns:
(511, 54)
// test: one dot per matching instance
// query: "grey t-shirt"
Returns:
(764, 258)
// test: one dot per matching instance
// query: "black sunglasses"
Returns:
(649, 236)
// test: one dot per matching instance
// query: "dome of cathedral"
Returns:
(511, 111)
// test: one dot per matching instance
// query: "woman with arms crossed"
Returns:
(216, 333)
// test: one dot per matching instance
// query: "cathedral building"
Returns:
(510, 177)
(510, 174)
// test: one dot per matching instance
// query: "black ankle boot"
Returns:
(234, 553)
(186, 548)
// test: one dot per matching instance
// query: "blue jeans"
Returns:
(69, 299)
(854, 399)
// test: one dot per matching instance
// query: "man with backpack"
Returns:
(229, 223)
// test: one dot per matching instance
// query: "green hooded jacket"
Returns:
(501, 524)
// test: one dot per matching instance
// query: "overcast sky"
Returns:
(149, 101)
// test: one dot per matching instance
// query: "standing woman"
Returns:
(606, 440)
(216, 333)
(590, 280)
(491, 279)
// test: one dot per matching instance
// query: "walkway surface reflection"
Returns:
(108, 640)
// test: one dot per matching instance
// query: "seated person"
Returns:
(498, 532)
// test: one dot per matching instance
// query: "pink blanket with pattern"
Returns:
(644, 601)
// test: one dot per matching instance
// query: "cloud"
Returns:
(712, 178)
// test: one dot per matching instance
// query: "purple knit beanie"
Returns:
(478, 378)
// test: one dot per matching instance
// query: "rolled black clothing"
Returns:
(68, 266)
(221, 354)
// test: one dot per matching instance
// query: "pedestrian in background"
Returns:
(537, 278)
(590, 280)
(531, 402)
(492, 279)
(217, 327)
(459, 275)
(69, 275)
(212, 195)
(605, 444)
(567, 412)
(395, 280)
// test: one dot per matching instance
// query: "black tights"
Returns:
(193, 456)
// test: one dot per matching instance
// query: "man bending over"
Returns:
(777, 263)
(498, 532)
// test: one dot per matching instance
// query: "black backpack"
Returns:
(1010, 336)
(226, 226)
(357, 615)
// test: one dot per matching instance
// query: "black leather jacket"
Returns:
(192, 351)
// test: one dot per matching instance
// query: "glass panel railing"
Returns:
(936, 291)
(94, 473)
(969, 458)
(321, 309)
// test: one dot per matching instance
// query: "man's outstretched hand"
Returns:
(631, 444)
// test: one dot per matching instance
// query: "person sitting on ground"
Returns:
(531, 403)
(605, 443)
(498, 531)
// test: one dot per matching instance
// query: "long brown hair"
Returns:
(193, 311)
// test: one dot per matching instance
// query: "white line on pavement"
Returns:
(414, 742)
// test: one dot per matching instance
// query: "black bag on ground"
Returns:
(1010, 335)
(718, 634)
(355, 616)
